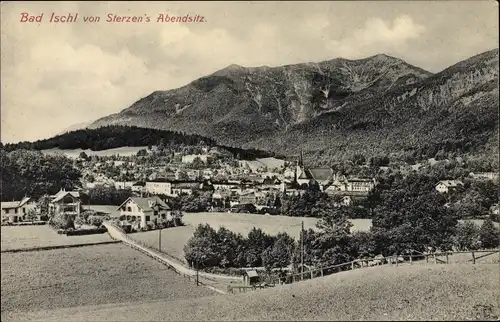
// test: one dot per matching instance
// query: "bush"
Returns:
(489, 234)
(81, 232)
(467, 236)
(96, 221)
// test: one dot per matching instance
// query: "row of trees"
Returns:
(410, 218)
(223, 248)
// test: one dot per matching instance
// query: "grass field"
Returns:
(23, 237)
(74, 153)
(419, 292)
(174, 239)
(91, 275)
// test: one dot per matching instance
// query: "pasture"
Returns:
(92, 275)
(418, 292)
(27, 237)
(74, 153)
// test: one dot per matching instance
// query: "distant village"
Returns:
(235, 185)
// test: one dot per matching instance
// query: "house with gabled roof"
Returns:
(142, 211)
(446, 186)
(67, 203)
(14, 211)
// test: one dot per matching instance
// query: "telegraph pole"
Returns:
(197, 269)
(302, 251)
(159, 239)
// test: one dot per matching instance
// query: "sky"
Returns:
(56, 75)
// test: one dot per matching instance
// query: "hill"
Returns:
(418, 292)
(336, 108)
(237, 105)
(111, 137)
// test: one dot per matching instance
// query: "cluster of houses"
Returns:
(256, 189)
(135, 211)
(27, 209)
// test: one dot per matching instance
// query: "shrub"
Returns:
(489, 234)
(96, 221)
(467, 236)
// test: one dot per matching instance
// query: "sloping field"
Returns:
(419, 292)
(174, 239)
(103, 274)
(74, 153)
(26, 237)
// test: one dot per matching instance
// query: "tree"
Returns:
(201, 248)
(257, 241)
(279, 255)
(467, 236)
(489, 235)
(84, 156)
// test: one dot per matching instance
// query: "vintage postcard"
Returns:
(249, 160)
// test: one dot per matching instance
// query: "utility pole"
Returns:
(197, 269)
(302, 251)
(159, 239)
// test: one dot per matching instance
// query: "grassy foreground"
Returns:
(91, 275)
(418, 292)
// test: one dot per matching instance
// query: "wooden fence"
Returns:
(144, 248)
(390, 260)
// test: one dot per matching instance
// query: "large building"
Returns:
(158, 187)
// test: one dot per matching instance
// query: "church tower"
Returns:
(300, 171)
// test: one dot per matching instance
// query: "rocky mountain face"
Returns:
(377, 105)
(237, 105)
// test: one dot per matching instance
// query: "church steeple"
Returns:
(301, 159)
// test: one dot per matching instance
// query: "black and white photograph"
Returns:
(249, 161)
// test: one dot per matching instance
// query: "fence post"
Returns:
(473, 258)
(321, 272)
(447, 262)
(426, 258)
(435, 260)
(411, 256)
(352, 265)
(312, 274)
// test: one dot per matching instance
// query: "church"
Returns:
(303, 175)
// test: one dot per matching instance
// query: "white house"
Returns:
(158, 187)
(446, 186)
(145, 210)
(484, 175)
(14, 211)
(66, 202)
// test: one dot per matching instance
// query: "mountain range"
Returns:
(379, 105)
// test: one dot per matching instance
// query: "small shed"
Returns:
(251, 277)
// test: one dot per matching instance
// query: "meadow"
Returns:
(27, 237)
(418, 292)
(91, 275)
(174, 239)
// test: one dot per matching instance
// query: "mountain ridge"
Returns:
(267, 106)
